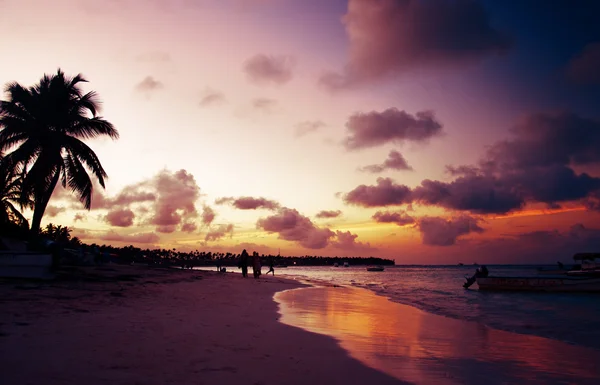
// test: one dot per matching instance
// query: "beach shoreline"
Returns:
(142, 325)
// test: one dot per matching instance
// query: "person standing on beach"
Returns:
(256, 264)
(271, 265)
(244, 263)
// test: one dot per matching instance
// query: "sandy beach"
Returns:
(136, 325)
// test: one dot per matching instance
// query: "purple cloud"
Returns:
(265, 69)
(437, 231)
(394, 161)
(390, 126)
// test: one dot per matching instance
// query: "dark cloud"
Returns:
(208, 215)
(345, 240)
(391, 37)
(212, 97)
(148, 85)
(537, 164)
(394, 161)
(329, 214)
(437, 231)
(52, 211)
(249, 203)
(306, 127)
(385, 193)
(400, 218)
(585, 68)
(475, 193)
(120, 217)
(132, 238)
(265, 69)
(220, 232)
(293, 226)
(390, 126)
(264, 104)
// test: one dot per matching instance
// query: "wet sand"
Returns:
(424, 348)
(136, 325)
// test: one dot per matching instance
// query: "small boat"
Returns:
(346, 264)
(376, 268)
(336, 265)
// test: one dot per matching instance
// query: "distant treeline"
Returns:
(131, 254)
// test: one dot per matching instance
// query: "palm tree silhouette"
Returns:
(10, 195)
(45, 124)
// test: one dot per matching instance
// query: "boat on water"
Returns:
(585, 279)
(336, 265)
(376, 268)
(346, 264)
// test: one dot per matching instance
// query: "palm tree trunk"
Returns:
(41, 202)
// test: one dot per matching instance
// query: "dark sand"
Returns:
(138, 325)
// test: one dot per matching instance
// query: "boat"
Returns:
(346, 264)
(376, 268)
(584, 279)
(336, 265)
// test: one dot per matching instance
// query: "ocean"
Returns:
(567, 317)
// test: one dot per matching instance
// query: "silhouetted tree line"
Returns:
(173, 257)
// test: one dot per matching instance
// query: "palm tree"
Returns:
(10, 195)
(44, 125)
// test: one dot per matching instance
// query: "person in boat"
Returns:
(271, 265)
(244, 263)
(481, 272)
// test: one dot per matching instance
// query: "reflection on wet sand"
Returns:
(426, 348)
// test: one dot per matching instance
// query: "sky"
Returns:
(425, 131)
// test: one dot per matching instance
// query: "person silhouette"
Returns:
(244, 263)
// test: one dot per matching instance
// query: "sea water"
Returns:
(568, 317)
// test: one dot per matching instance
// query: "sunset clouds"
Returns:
(391, 37)
(390, 126)
(352, 127)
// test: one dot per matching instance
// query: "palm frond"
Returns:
(79, 181)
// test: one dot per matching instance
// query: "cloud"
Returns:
(154, 57)
(133, 238)
(390, 126)
(220, 232)
(264, 104)
(293, 226)
(347, 241)
(212, 97)
(79, 217)
(393, 37)
(585, 68)
(306, 127)
(400, 218)
(268, 69)
(120, 217)
(249, 203)
(208, 215)
(177, 194)
(148, 85)
(189, 227)
(52, 211)
(394, 161)
(385, 193)
(329, 214)
(437, 231)
(536, 165)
